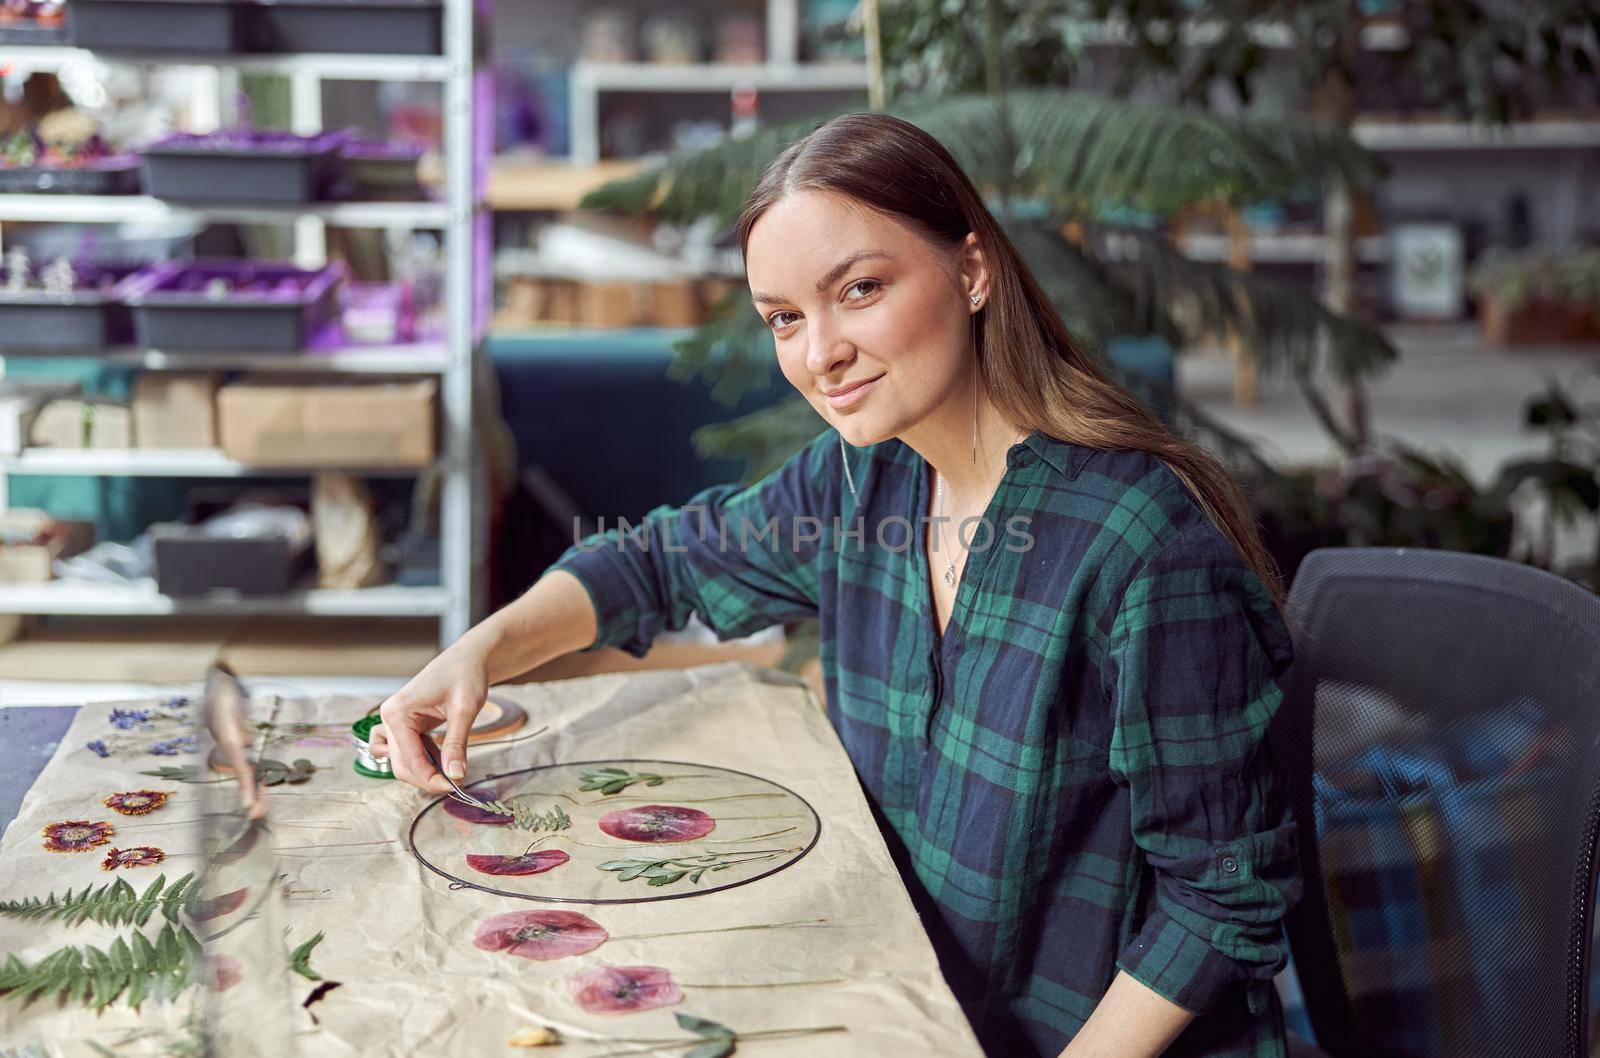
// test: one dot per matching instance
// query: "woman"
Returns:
(1057, 710)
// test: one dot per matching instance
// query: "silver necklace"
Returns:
(950, 567)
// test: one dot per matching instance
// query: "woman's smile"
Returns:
(850, 395)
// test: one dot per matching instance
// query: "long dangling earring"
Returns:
(845, 459)
(975, 372)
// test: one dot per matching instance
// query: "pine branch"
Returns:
(114, 904)
(133, 969)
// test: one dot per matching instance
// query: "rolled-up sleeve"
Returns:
(1196, 652)
(742, 558)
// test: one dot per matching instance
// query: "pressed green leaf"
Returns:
(701, 1026)
(720, 1047)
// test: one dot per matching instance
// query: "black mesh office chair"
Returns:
(1440, 727)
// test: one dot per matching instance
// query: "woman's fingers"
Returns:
(463, 710)
(404, 726)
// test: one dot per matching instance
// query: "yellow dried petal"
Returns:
(540, 1036)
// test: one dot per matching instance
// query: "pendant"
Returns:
(950, 573)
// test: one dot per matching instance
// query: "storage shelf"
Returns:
(116, 209)
(166, 463)
(416, 359)
(1459, 135)
(70, 597)
(333, 67)
(1267, 248)
(717, 77)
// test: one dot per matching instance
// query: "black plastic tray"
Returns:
(200, 175)
(28, 31)
(109, 180)
(208, 27)
(190, 563)
(387, 27)
(38, 322)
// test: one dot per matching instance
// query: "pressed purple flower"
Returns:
(541, 935)
(98, 748)
(136, 802)
(624, 989)
(76, 835)
(472, 814)
(657, 823)
(177, 701)
(138, 856)
(127, 719)
(528, 863)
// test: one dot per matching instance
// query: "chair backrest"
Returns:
(1440, 729)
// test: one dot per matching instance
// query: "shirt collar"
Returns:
(1065, 456)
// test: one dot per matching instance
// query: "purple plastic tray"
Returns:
(183, 283)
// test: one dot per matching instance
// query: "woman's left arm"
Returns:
(1130, 1021)
(1194, 656)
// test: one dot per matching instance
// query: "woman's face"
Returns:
(857, 301)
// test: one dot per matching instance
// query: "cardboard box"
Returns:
(175, 409)
(60, 424)
(30, 540)
(20, 401)
(110, 426)
(268, 422)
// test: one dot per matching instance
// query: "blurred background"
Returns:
(1352, 247)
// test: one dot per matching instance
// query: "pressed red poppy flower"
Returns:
(136, 802)
(624, 989)
(657, 823)
(541, 935)
(528, 863)
(76, 835)
(225, 972)
(477, 815)
(205, 910)
(138, 856)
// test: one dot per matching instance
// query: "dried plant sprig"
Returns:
(614, 780)
(670, 870)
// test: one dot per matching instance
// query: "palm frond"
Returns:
(1283, 323)
(1075, 151)
(762, 439)
(731, 352)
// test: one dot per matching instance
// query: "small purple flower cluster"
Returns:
(98, 748)
(127, 719)
(173, 746)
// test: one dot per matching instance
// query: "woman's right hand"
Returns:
(451, 688)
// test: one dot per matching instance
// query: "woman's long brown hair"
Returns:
(1035, 371)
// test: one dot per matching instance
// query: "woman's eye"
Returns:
(773, 321)
(873, 283)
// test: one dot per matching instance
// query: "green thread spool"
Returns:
(365, 763)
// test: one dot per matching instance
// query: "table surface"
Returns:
(29, 735)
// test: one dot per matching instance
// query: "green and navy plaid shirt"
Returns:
(1074, 776)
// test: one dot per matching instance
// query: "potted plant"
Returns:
(1537, 296)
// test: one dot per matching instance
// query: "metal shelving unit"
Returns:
(457, 600)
